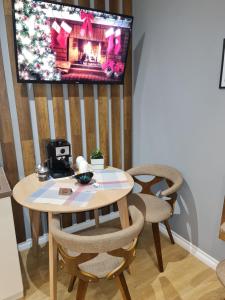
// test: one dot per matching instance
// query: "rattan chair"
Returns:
(154, 208)
(98, 254)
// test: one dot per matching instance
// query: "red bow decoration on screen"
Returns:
(87, 25)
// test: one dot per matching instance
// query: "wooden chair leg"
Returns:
(121, 282)
(156, 235)
(71, 284)
(167, 224)
(81, 289)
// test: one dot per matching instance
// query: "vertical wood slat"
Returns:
(75, 120)
(103, 107)
(60, 129)
(42, 118)
(114, 6)
(103, 115)
(115, 96)
(103, 121)
(89, 107)
(59, 111)
(8, 152)
(127, 9)
(89, 119)
(41, 106)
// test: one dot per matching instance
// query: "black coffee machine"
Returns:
(58, 154)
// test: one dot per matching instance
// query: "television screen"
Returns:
(57, 42)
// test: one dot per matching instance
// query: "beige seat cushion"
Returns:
(154, 209)
(101, 265)
(104, 263)
(220, 271)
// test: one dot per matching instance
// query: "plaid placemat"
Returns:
(103, 180)
(49, 193)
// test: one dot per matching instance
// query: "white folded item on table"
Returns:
(82, 164)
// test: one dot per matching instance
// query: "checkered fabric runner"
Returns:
(81, 195)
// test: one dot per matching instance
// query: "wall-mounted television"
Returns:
(61, 43)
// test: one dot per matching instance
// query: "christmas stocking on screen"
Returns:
(64, 34)
(117, 41)
(55, 30)
(109, 34)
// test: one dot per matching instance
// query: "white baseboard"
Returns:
(74, 228)
(194, 250)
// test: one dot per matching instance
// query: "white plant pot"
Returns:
(97, 164)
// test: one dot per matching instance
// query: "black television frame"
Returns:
(121, 82)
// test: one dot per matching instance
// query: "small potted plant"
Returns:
(97, 160)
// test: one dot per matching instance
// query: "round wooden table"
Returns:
(30, 184)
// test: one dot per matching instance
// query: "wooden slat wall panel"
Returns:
(127, 9)
(8, 152)
(115, 95)
(60, 117)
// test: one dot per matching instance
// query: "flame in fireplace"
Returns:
(88, 49)
(99, 58)
(93, 52)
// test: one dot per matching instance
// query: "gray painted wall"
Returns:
(179, 111)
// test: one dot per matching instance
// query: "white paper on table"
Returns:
(110, 177)
(50, 201)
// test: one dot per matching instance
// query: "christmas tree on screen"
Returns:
(36, 59)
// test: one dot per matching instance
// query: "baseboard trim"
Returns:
(179, 240)
(74, 228)
(192, 249)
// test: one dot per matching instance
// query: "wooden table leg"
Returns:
(35, 221)
(96, 214)
(52, 262)
(123, 211)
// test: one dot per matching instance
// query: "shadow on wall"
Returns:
(185, 219)
(137, 58)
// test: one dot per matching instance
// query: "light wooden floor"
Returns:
(185, 278)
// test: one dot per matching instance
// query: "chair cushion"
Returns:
(154, 209)
(220, 271)
(104, 263)
(101, 265)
